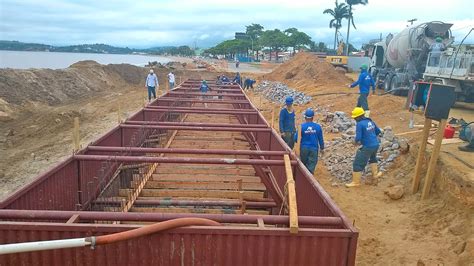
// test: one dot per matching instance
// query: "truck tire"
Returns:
(387, 83)
(394, 85)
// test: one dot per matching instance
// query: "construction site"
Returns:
(94, 158)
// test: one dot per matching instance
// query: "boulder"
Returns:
(395, 192)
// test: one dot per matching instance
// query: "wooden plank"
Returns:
(260, 223)
(421, 155)
(446, 141)
(73, 219)
(204, 178)
(209, 171)
(273, 117)
(76, 135)
(203, 185)
(196, 210)
(434, 158)
(197, 193)
(290, 182)
(199, 199)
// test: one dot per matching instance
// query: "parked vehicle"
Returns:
(400, 59)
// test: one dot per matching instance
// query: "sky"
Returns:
(204, 23)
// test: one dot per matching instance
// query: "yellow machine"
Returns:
(338, 60)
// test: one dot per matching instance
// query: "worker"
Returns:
(248, 83)
(365, 81)
(311, 141)
(151, 83)
(469, 136)
(237, 63)
(204, 87)
(366, 134)
(225, 79)
(287, 122)
(171, 79)
(237, 79)
(435, 50)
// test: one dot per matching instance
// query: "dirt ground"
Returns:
(437, 231)
(35, 135)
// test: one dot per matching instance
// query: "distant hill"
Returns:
(93, 48)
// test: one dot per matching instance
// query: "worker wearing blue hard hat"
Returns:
(311, 141)
(287, 122)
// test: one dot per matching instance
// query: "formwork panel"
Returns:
(184, 246)
(76, 185)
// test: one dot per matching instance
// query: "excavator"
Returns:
(339, 60)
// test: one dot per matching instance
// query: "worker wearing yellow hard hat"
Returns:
(366, 135)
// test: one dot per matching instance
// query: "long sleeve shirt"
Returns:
(312, 136)
(152, 80)
(367, 132)
(287, 121)
(365, 81)
(171, 77)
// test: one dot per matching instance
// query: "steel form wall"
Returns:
(185, 246)
(62, 189)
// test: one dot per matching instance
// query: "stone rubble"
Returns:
(277, 92)
(340, 152)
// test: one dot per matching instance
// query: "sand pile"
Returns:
(81, 80)
(306, 69)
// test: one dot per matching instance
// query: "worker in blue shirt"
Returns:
(311, 141)
(287, 122)
(248, 83)
(365, 81)
(366, 134)
(237, 79)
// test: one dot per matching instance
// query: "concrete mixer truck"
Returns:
(399, 60)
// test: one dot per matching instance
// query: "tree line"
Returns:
(257, 39)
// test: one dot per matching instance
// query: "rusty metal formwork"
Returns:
(183, 155)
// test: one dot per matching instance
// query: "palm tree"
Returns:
(351, 18)
(339, 12)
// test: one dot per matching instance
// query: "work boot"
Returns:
(468, 148)
(374, 180)
(367, 113)
(355, 179)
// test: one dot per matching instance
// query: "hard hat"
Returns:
(363, 66)
(151, 71)
(309, 113)
(204, 81)
(439, 39)
(289, 100)
(357, 112)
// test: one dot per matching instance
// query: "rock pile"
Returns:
(277, 92)
(341, 151)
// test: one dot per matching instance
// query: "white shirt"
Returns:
(152, 80)
(171, 77)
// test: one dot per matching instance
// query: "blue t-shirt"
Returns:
(312, 136)
(365, 81)
(204, 88)
(287, 121)
(367, 132)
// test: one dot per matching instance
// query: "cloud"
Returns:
(206, 22)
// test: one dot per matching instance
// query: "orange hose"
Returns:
(153, 228)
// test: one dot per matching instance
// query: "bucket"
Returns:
(449, 132)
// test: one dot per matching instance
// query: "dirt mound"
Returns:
(306, 69)
(82, 79)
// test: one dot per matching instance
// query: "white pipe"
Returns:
(43, 245)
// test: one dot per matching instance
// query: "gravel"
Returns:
(277, 92)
